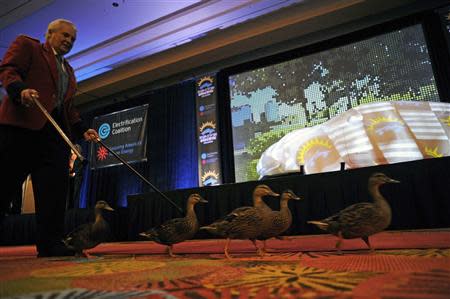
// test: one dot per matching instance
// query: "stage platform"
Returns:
(418, 239)
(405, 264)
(420, 201)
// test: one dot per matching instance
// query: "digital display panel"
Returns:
(313, 91)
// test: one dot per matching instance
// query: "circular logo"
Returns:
(104, 130)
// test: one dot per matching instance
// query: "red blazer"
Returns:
(30, 64)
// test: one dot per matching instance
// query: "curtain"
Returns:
(171, 149)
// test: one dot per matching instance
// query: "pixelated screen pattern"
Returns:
(268, 102)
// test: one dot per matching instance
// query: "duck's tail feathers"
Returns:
(67, 242)
(209, 228)
(320, 224)
(149, 235)
(215, 228)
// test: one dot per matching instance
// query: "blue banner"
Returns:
(124, 132)
(209, 166)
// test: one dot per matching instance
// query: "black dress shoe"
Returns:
(55, 250)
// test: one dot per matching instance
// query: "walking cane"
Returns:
(138, 174)
(60, 131)
(80, 156)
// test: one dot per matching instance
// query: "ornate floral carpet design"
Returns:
(414, 264)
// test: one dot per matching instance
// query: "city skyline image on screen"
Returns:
(269, 102)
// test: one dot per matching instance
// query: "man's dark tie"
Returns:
(60, 60)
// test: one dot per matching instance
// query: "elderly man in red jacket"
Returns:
(29, 144)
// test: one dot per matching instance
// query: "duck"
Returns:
(280, 220)
(89, 235)
(244, 222)
(177, 230)
(361, 220)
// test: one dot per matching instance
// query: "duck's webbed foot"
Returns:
(225, 250)
(170, 251)
(366, 240)
(259, 251)
(339, 243)
(82, 254)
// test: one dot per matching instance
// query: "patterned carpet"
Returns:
(413, 264)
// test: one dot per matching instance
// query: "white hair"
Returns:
(54, 25)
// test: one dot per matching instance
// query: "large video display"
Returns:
(302, 96)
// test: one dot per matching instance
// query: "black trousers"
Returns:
(45, 156)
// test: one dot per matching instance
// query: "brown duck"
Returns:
(244, 222)
(278, 221)
(177, 230)
(361, 220)
(89, 235)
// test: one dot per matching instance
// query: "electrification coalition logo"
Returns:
(208, 133)
(208, 158)
(104, 130)
(102, 153)
(206, 109)
(210, 178)
(205, 87)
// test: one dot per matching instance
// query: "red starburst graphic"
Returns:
(102, 153)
